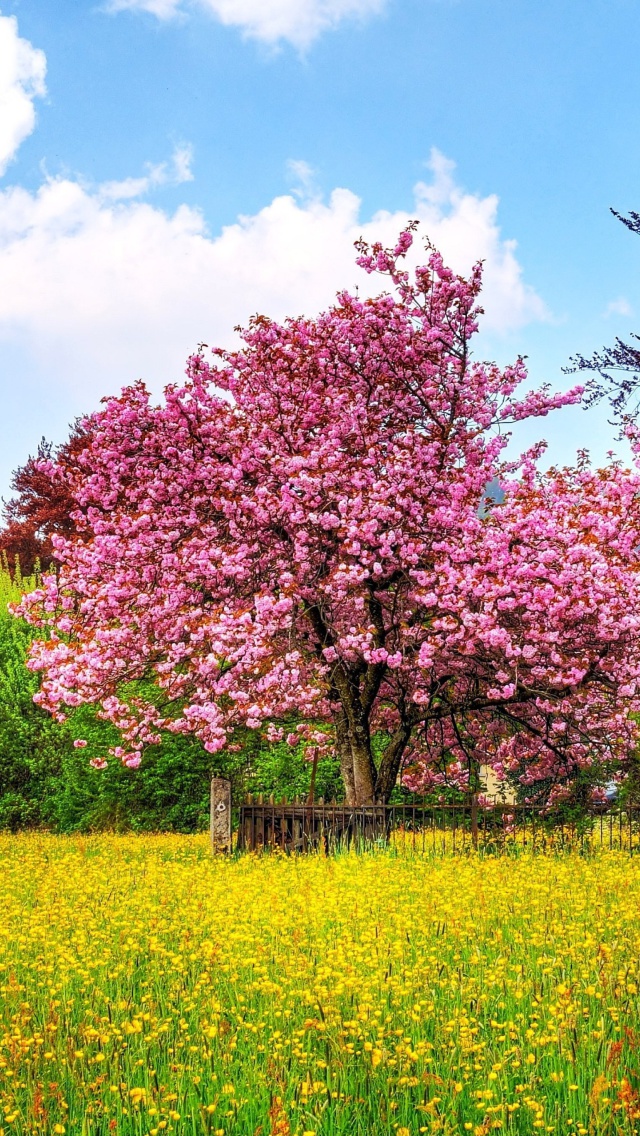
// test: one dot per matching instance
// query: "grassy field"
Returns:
(146, 989)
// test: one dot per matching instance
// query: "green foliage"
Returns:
(169, 791)
(31, 743)
(285, 772)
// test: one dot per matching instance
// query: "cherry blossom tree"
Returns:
(541, 624)
(301, 530)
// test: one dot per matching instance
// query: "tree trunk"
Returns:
(356, 759)
(345, 756)
(363, 771)
(362, 785)
(390, 764)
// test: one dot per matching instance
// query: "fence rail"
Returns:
(303, 827)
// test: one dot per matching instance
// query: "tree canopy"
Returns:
(301, 530)
(42, 505)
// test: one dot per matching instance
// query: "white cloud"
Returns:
(98, 288)
(619, 307)
(175, 172)
(298, 21)
(302, 178)
(22, 74)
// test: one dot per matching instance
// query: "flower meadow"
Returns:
(147, 988)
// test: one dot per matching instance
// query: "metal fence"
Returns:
(430, 829)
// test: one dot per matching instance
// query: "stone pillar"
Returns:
(220, 825)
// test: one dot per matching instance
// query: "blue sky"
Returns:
(160, 124)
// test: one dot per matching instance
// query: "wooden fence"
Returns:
(300, 827)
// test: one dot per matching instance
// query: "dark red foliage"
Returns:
(42, 503)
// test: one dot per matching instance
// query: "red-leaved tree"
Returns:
(42, 504)
(299, 530)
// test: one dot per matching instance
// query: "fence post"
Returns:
(220, 816)
(474, 820)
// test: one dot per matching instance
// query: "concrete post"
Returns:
(220, 824)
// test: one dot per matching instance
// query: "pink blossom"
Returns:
(301, 530)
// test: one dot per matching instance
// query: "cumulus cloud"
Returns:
(298, 21)
(99, 287)
(22, 79)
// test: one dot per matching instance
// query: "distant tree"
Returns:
(299, 532)
(615, 370)
(43, 502)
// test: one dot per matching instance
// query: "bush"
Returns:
(32, 745)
